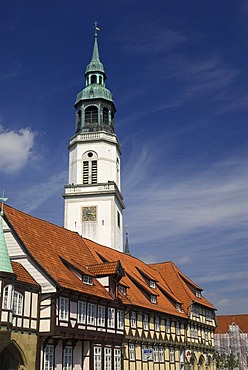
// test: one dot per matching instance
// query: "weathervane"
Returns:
(2, 200)
(96, 28)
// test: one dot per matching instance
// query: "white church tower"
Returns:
(93, 201)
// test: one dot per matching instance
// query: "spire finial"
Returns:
(96, 28)
(127, 250)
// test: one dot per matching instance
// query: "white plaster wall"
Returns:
(107, 156)
(27, 304)
(104, 230)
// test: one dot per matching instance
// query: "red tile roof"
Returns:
(180, 285)
(22, 275)
(47, 243)
(225, 320)
(57, 250)
(106, 268)
(138, 293)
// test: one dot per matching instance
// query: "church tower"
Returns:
(93, 201)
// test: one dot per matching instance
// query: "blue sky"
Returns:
(178, 71)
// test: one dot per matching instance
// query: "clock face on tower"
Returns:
(89, 213)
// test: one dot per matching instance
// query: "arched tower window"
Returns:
(79, 116)
(105, 116)
(100, 80)
(93, 79)
(91, 115)
(89, 168)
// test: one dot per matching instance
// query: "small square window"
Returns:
(153, 298)
(87, 279)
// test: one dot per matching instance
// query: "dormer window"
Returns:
(88, 279)
(153, 298)
(178, 307)
(122, 289)
(152, 284)
(198, 293)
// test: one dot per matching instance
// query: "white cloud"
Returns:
(15, 149)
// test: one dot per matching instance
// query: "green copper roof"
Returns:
(94, 92)
(5, 265)
(95, 65)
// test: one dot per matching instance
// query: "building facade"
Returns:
(86, 306)
(231, 341)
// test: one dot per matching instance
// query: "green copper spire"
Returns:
(95, 65)
(94, 105)
(5, 265)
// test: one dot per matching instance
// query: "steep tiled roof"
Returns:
(225, 320)
(139, 291)
(105, 268)
(47, 243)
(180, 285)
(22, 275)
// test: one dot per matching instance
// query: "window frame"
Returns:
(111, 318)
(64, 305)
(17, 303)
(48, 362)
(82, 312)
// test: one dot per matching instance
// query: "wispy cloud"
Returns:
(182, 202)
(41, 192)
(16, 148)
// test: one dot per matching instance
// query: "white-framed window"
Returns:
(63, 308)
(123, 289)
(107, 358)
(111, 317)
(209, 315)
(157, 323)
(91, 314)
(172, 355)
(196, 332)
(48, 357)
(198, 293)
(82, 313)
(8, 292)
(152, 284)
(97, 358)
(17, 304)
(206, 335)
(195, 310)
(144, 353)
(87, 279)
(179, 307)
(168, 326)
(67, 358)
(146, 322)
(133, 319)
(120, 319)
(153, 298)
(131, 352)
(101, 316)
(155, 354)
(178, 328)
(161, 354)
(117, 359)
